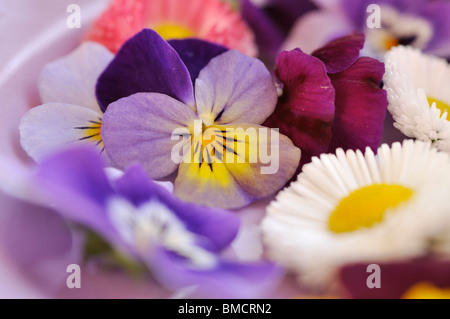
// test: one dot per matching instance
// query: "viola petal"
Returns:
(139, 129)
(145, 63)
(72, 79)
(305, 111)
(219, 227)
(196, 54)
(248, 162)
(49, 127)
(340, 54)
(226, 280)
(360, 106)
(235, 88)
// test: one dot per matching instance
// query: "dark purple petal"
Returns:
(218, 226)
(437, 13)
(267, 35)
(196, 54)
(360, 106)
(145, 63)
(228, 280)
(340, 54)
(396, 278)
(75, 183)
(305, 111)
(38, 242)
(138, 129)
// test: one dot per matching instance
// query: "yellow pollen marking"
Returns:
(444, 107)
(426, 290)
(172, 31)
(366, 206)
(391, 42)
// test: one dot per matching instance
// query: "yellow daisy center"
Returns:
(425, 290)
(173, 31)
(366, 206)
(444, 107)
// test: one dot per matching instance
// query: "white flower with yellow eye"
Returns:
(351, 207)
(418, 88)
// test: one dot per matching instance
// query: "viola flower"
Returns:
(211, 20)
(419, 96)
(351, 207)
(422, 24)
(271, 21)
(153, 111)
(179, 243)
(70, 113)
(330, 98)
(427, 278)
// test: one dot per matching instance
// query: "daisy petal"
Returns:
(305, 111)
(340, 54)
(139, 129)
(72, 79)
(48, 127)
(360, 106)
(226, 280)
(217, 226)
(138, 61)
(196, 54)
(241, 171)
(235, 88)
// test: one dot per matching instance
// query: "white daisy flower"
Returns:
(418, 88)
(351, 207)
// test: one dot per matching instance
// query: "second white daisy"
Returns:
(351, 207)
(418, 87)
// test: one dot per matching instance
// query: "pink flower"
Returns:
(210, 20)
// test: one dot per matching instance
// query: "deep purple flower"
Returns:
(178, 242)
(271, 22)
(422, 24)
(331, 98)
(202, 103)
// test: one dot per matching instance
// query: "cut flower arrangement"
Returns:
(214, 149)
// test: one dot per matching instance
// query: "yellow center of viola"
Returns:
(92, 131)
(366, 206)
(425, 290)
(390, 42)
(444, 107)
(173, 31)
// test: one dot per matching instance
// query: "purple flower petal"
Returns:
(230, 184)
(437, 13)
(38, 242)
(305, 112)
(234, 88)
(196, 54)
(76, 190)
(72, 79)
(52, 126)
(340, 54)
(268, 36)
(360, 106)
(227, 280)
(145, 63)
(139, 129)
(218, 226)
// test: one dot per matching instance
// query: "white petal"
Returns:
(51, 126)
(72, 79)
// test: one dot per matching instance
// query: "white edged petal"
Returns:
(49, 127)
(72, 79)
